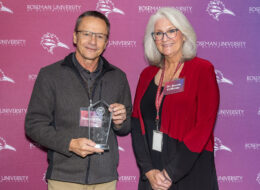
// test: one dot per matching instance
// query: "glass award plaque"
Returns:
(99, 122)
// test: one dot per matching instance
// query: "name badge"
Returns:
(157, 140)
(174, 86)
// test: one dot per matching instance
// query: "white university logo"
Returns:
(3, 77)
(219, 146)
(121, 149)
(152, 9)
(127, 179)
(221, 79)
(252, 146)
(4, 145)
(258, 178)
(107, 7)
(44, 177)
(121, 43)
(14, 179)
(216, 8)
(5, 9)
(50, 41)
(230, 179)
(34, 144)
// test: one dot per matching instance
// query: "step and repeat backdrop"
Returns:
(36, 33)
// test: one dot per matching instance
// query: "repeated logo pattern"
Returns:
(221, 79)
(216, 8)
(5, 9)
(50, 41)
(107, 7)
(121, 44)
(53, 8)
(231, 112)
(218, 146)
(230, 179)
(5, 146)
(14, 179)
(121, 149)
(258, 178)
(232, 48)
(44, 178)
(152, 9)
(5, 78)
(128, 179)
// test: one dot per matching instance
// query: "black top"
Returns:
(89, 77)
(148, 110)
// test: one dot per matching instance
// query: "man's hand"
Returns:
(118, 113)
(158, 180)
(83, 147)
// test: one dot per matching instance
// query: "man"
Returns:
(61, 91)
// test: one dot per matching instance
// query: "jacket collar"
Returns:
(69, 62)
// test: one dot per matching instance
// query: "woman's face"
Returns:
(169, 47)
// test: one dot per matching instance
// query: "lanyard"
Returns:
(159, 96)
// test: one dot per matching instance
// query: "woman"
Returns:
(175, 109)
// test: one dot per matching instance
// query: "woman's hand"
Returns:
(157, 180)
(166, 175)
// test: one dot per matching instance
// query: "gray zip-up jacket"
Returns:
(52, 120)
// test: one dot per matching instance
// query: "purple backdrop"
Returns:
(36, 33)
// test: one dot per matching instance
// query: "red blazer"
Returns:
(188, 116)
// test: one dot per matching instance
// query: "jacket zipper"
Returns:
(90, 96)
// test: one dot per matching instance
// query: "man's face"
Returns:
(90, 46)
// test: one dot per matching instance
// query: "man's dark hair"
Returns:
(93, 14)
